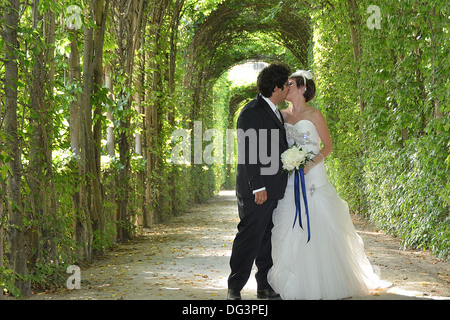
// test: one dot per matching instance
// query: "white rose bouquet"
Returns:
(295, 158)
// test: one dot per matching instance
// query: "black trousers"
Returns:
(252, 244)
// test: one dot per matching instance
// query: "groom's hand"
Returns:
(260, 197)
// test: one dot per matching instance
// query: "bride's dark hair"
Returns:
(310, 92)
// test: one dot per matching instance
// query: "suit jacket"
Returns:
(258, 115)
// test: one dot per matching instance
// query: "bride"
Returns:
(332, 265)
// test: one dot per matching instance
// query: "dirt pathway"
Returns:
(187, 258)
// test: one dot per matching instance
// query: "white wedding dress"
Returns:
(333, 264)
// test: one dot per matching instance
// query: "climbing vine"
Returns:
(92, 92)
(384, 91)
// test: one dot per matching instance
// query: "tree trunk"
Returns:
(86, 138)
(80, 227)
(41, 182)
(99, 224)
(128, 32)
(174, 24)
(89, 154)
(17, 254)
(111, 186)
(153, 121)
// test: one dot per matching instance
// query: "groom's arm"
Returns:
(249, 121)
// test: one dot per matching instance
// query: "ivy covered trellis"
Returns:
(87, 112)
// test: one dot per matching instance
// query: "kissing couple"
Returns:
(321, 258)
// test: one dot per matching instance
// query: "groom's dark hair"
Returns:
(274, 75)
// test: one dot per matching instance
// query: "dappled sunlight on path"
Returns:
(187, 258)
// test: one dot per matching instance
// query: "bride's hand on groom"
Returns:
(260, 197)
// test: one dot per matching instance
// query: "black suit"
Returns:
(253, 240)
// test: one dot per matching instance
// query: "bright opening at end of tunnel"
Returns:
(246, 73)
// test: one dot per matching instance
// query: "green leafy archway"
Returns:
(92, 93)
(238, 31)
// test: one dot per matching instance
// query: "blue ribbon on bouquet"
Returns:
(300, 178)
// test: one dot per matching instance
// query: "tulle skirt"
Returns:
(333, 264)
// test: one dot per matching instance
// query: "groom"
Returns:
(258, 189)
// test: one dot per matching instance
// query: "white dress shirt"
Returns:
(273, 107)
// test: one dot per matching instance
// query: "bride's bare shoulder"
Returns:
(317, 114)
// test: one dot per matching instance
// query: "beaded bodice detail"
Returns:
(303, 133)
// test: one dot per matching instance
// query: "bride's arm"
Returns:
(325, 137)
